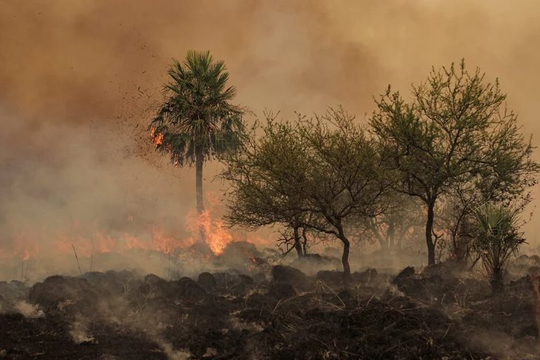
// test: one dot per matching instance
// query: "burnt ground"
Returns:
(278, 313)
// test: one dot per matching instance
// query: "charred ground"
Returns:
(270, 312)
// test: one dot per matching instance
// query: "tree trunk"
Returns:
(497, 281)
(297, 243)
(429, 233)
(460, 246)
(390, 236)
(199, 189)
(304, 243)
(345, 257)
(375, 230)
(384, 245)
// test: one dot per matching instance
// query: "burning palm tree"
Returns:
(196, 122)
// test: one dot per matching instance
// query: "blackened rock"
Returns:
(225, 280)
(282, 274)
(405, 274)
(257, 300)
(207, 281)
(154, 284)
(443, 270)
(418, 286)
(246, 279)
(281, 291)
(189, 289)
(93, 276)
(113, 283)
(70, 293)
(243, 284)
(153, 279)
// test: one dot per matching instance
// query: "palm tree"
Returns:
(196, 122)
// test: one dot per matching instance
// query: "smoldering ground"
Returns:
(80, 81)
(275, 313)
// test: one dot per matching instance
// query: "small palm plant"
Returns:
(495, 233)
(197, 122)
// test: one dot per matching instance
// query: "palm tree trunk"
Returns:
(199, 189)
(497, 281)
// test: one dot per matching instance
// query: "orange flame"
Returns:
(217, 237)
(90, 239)
(157, 139)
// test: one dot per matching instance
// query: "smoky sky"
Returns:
(80, 80)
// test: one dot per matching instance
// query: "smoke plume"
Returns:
(79, 82)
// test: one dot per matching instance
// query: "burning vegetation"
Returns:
(439, 181)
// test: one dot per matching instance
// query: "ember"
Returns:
(157, 139)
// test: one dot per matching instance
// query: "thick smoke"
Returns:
(79, 82)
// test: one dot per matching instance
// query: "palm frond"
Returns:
(196, 113)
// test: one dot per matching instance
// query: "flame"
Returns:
(217, 237)
(157, 139)
(91, 238)
(22, 247)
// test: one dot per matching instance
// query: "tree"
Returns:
(317, 174)
(456, 130)
(495, 235)
(346, 179)
(196, 122)
(262, 181)
(455, 212)
(398, 223)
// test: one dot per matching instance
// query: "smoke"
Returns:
(28, 310)
(79, 82)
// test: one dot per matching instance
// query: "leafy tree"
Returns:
(495, 235)
(346, 179)
(317, 174)
(262, 193)
(455, 130)
(196, 122)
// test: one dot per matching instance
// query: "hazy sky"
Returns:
(79, 81)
